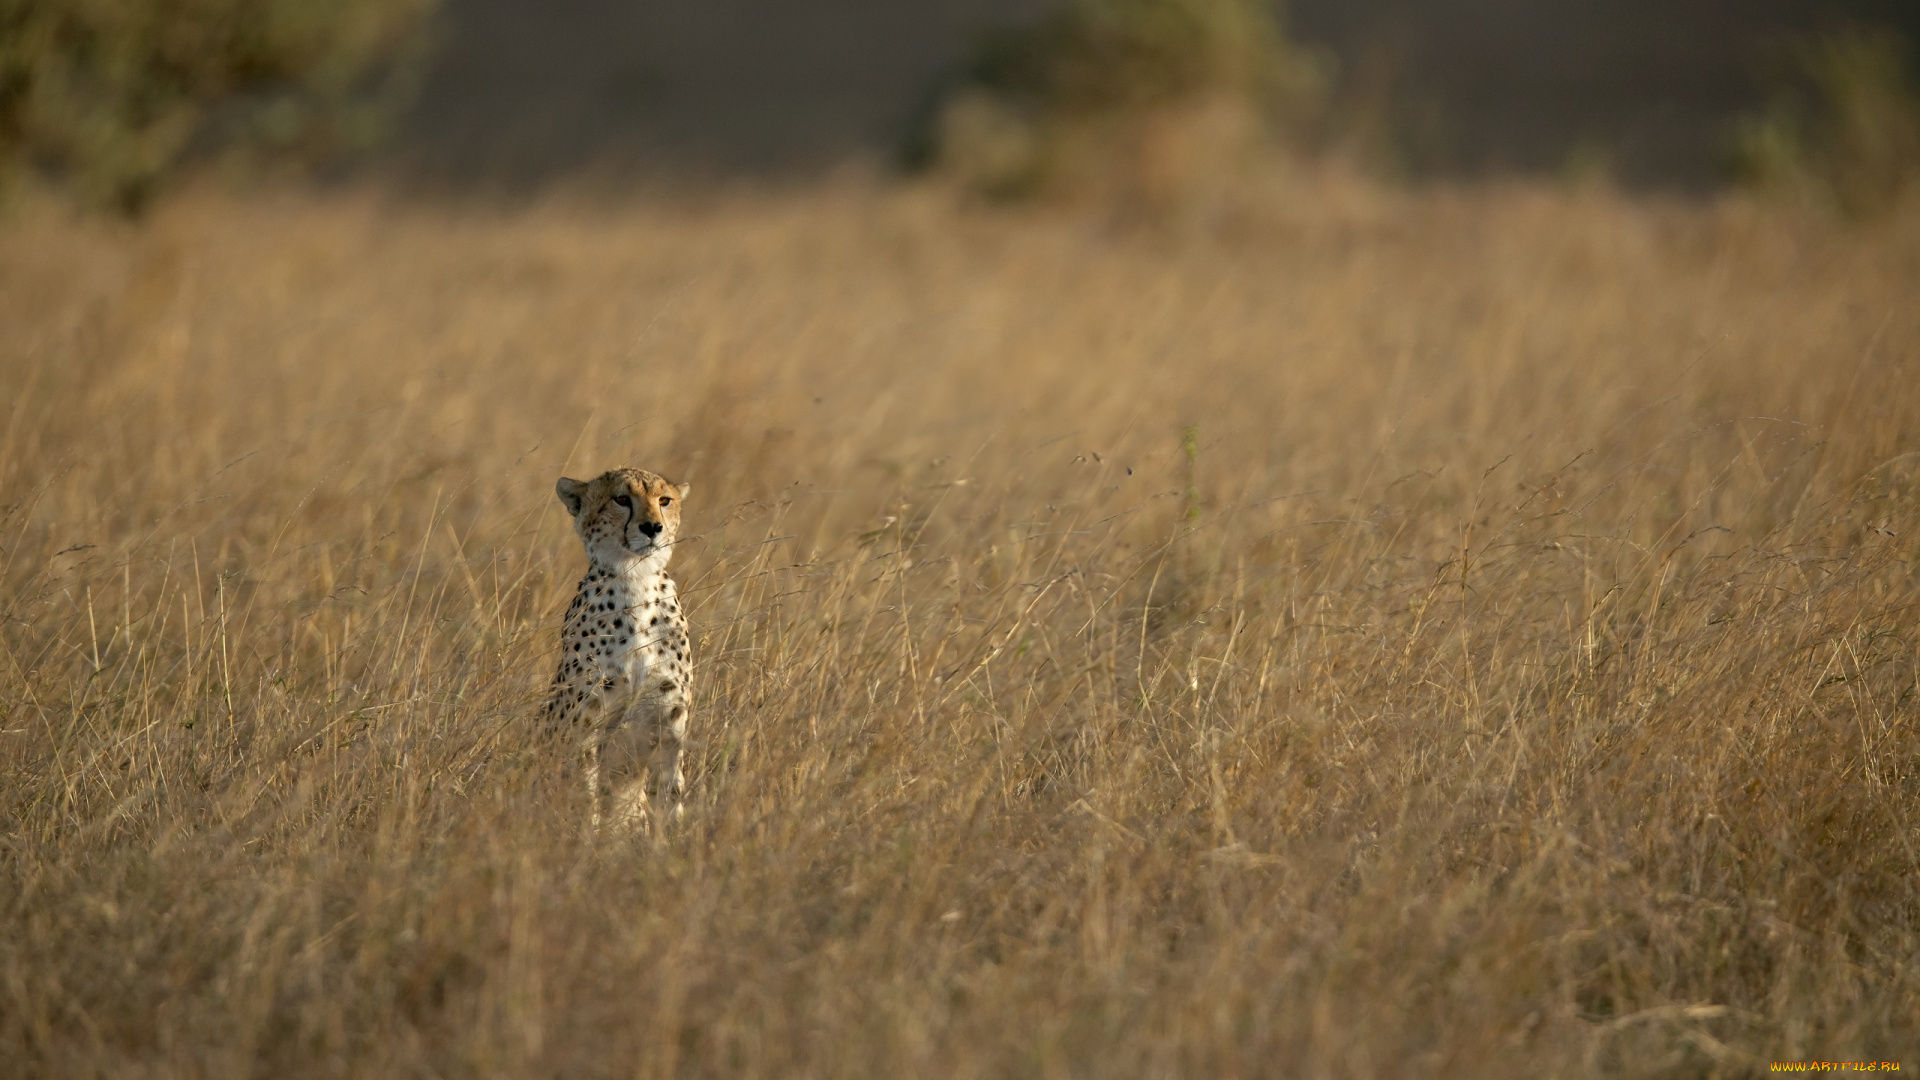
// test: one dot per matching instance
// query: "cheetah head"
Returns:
(624, 514)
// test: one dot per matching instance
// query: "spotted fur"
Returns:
(625, 661)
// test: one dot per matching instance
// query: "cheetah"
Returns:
(621, 687)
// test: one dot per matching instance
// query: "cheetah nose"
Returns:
(651, 528)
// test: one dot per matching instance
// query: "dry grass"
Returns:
(1468, 633)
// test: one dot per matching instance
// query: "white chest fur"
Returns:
(625, 626)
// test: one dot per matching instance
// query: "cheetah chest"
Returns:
(627, 630)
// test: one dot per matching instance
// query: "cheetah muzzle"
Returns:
(625, 661)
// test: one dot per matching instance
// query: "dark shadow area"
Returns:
(1644, 87)
(525, 91)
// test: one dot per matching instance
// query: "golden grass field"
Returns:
(1459, 632)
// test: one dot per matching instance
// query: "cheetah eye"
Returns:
(665, 501)
(623, 501)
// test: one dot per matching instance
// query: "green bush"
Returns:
(1844, 131)
(108, 97)
(1119, 86)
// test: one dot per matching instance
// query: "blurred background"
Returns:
(1465, 85)
(111, 99)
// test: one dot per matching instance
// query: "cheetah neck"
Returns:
(634, 570)
(633, 585)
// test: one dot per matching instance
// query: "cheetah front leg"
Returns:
(591, 768)
(670, 737)
(594, 717)
(633, 760)
(620, 791)
(643, 766)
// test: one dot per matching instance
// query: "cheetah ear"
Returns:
(572, 493)
(683, 489)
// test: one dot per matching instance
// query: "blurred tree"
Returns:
(1152, 92)
(107, 97)
(1845, 130)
